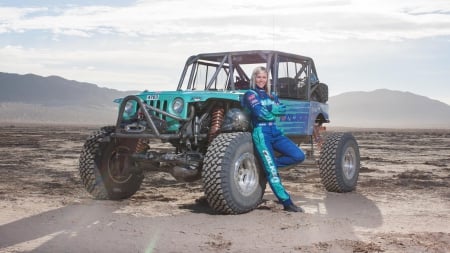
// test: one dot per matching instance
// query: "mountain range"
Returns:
(388, 109)
(36, 99)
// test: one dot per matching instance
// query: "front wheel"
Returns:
(233, 180)
(106, 168)
(339, 163)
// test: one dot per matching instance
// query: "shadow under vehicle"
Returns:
(210, 133)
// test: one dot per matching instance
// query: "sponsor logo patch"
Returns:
(272, 167)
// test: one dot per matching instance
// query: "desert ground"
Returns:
(401, 204)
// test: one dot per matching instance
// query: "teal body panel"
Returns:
(163, 100)
(298, 121)
(300, 116)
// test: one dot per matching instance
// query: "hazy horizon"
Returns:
(57, 100)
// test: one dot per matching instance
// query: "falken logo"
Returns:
(297, 117)
(272, 168)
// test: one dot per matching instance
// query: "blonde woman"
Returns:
(267, 138)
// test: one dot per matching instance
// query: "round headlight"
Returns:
(177, 105)
(129, 107)
(129, 110)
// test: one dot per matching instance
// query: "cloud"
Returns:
(326, 20)
(123, 69)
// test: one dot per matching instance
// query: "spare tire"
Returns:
(320, 92)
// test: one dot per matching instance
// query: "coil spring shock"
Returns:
(216, 122)
(142, 145)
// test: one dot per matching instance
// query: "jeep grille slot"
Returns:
(162, 105)
(164, 109)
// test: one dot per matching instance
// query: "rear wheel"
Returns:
(339, 163)
(232, 177)
(106, 168)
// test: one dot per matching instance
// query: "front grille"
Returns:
(160, 104)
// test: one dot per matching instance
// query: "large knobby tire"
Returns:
(339, 163)
(105, 166)
(320, 93)
(233, 179)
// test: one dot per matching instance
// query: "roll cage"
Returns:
(291, 76)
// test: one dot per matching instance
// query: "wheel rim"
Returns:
(246, 174)
(119, 165)
(349, 163)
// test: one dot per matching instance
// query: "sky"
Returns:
(360, 45)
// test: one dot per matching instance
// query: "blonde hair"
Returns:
(255, 72)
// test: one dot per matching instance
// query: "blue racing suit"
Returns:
(267, 138)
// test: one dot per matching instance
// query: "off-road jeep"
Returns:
(210, 132)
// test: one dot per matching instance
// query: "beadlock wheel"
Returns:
(118, 165)
(246, 174)
(349, 163)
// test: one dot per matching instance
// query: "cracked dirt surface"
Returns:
(402, 202)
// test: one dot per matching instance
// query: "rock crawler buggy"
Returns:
(211, 134)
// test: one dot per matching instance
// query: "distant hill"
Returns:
(388, 109)
(54, 91)
(35, 99)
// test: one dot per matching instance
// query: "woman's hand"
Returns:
(279, 109)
